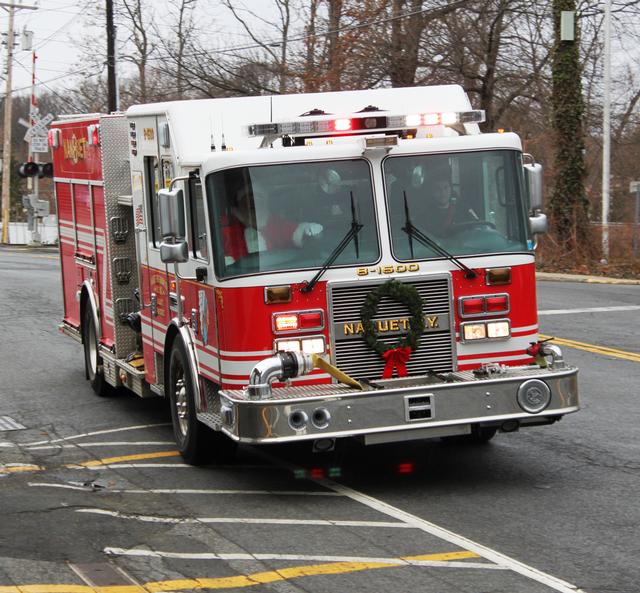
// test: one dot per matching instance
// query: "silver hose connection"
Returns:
(282, 366)
(557, 360)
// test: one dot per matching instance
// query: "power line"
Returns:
(277, 42)
(45, 82)
(47, 39)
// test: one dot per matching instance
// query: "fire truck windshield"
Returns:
(290, 216)
(468, 203)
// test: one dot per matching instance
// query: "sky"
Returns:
(53, 24)
(59, 24)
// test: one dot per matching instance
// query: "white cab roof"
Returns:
(192, 123)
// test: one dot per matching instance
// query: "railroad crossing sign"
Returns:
(39, 128)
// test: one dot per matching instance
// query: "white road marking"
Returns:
(90, 434)
(102, 444)
(191, 491)
(453, 538)
(431, 528)
(588, 310)
(246, 520)
(297, 558)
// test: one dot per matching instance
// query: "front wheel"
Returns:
(196, 442)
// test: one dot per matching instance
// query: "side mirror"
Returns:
(533, 174)
(174, 248)
(171, 214)
(539, 224)
(174, 253)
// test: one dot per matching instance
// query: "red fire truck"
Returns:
(308, 267)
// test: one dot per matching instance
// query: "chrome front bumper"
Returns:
(400, 409)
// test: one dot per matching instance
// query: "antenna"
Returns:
(213, 142)
(223, 145)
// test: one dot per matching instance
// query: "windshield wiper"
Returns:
(352, 234)
(414, 232)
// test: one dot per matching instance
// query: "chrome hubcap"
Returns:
(93, 351)
(182, 411)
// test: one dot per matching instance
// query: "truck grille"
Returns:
(352, 355)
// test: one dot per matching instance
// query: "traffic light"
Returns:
(32, 169)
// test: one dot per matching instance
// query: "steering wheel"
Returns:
(254, 262)
(458, 227)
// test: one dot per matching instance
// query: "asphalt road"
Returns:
(93, 496)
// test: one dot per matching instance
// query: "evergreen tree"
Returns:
(568, 207)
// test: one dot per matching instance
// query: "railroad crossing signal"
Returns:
(32, 169)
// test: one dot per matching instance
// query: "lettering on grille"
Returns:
(352, 355)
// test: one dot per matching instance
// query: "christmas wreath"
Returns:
(396, 355)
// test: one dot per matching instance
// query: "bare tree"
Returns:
(269, 46)
(137, 20)
(183, 29)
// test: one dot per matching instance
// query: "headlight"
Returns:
(287, 346)
(498, 329)
(474, 331)
(312, 345)
(485, 330)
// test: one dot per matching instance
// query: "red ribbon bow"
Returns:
(396, 358)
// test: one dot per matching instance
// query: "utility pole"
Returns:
(6, 153)
(606, 133)
(33, 156)
(112, 82)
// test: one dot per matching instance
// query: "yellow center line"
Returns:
(604, 350)
(248, 580)
(123, 458)
(20, 468)
(93, 463)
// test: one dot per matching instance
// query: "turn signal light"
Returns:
(298, 321)
(286, 323)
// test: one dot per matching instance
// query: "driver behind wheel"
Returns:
(254, 228)
(441, 208)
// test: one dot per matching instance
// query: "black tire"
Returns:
(197, 443)
(92, 360)
(480, 435)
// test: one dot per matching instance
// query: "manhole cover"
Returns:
(8, 423)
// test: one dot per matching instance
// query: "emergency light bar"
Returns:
(368, 123)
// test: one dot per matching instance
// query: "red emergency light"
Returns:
(341, 125)
(488, 304)
(374, 121)
(53, 138)
(93, 133)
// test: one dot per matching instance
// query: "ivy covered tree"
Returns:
(568, 207)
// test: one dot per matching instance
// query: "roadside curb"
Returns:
(556, 277)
